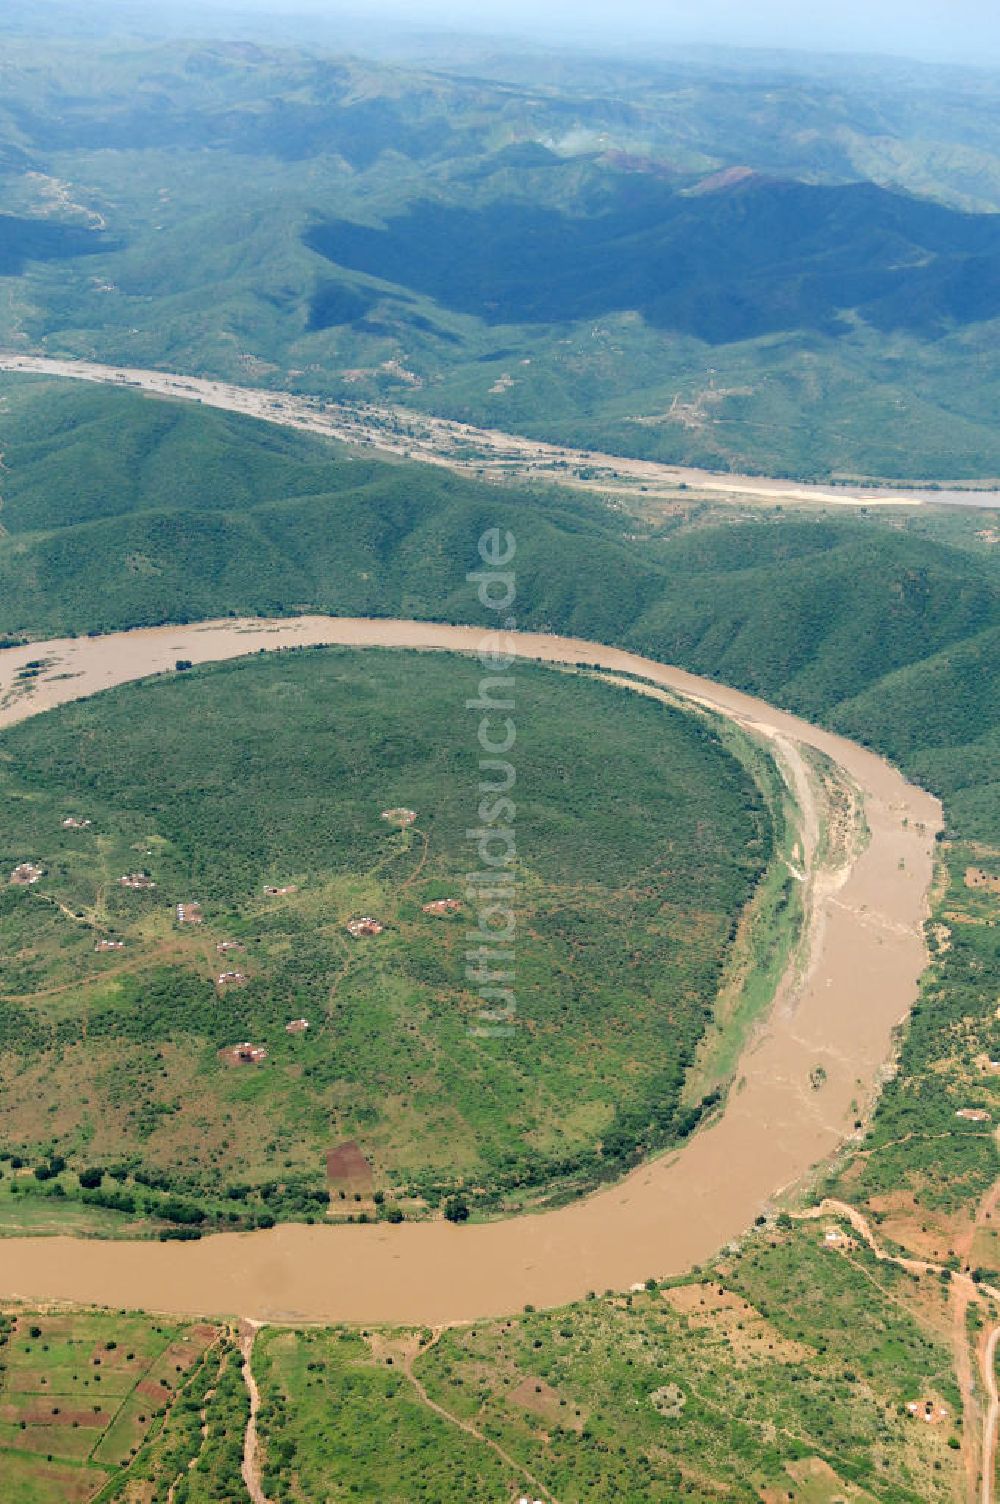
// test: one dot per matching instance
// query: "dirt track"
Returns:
(966, 1289)
(865, 956)
(486, 452)
(990, 1420)
(250, 1468)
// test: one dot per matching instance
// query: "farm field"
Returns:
(794, 1363)
(256, 847)
(90, 1401)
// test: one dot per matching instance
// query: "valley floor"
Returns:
(482, 452)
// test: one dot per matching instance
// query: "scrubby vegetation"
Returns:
(275, 772)
(783, 1371)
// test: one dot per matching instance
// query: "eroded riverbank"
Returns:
(865, 957)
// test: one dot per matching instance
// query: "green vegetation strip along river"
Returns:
(865, 953)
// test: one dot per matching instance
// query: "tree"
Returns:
(91, 1178)
(456, 1210)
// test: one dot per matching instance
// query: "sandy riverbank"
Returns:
(486, 452)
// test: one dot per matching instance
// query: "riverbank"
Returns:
(488, 453)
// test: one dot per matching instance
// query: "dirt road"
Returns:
(865, 955)
(440, 441)
(250, 1468)
(992, 1414)
(965, 1290)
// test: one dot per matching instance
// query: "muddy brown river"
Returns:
(865, 953)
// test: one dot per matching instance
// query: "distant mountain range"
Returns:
(763, 264)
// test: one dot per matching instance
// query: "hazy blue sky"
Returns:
(947, 29)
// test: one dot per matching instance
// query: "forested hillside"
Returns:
(123, 512)
(776, 264)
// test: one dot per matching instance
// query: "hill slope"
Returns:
(877, 630)
(729, 265)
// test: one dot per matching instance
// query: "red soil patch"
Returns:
(366, 925)
(152, 1391)
(931, 1411)
(542, 1400)
(40, 1417)
(718, 182)
(920, 1229)
(399, 816)
(348, 1169)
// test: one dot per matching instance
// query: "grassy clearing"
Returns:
(27, 1211)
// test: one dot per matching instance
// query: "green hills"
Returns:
(123, 512)
(772, 266)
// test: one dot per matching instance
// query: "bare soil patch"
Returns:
(538, 1397)
(749, 1334)
(247, 1053)
(348, 1169)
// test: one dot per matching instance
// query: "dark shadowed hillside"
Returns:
(731, 263)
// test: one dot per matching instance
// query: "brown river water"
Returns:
(865, 953)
